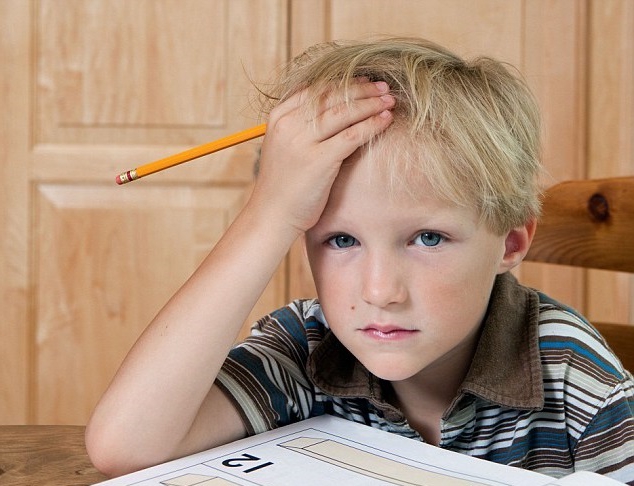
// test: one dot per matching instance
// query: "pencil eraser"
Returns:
(125, 177)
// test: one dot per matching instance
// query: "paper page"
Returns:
(584, 478)
(330, 451)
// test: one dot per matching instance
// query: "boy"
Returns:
(411, 175)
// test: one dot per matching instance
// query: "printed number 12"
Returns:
(238, 462)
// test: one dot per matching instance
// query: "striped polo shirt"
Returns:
(544, 391)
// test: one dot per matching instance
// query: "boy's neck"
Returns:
(426, 396)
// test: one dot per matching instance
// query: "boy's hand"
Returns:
(301, 157)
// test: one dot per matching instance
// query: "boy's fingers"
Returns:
(346, 141)
(339, 99)
(342, 116)
(350, 120)
(358, 90)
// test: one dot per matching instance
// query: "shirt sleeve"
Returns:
(607, 444)
(265, 375)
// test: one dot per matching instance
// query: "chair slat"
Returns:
(587, 224)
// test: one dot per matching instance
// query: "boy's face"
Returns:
(404, 282)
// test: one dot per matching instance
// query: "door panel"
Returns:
(102, 88)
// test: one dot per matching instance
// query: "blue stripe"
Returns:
(287, 318)
(526, 446)
(605, 366)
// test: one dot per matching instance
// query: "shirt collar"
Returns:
(506, 368)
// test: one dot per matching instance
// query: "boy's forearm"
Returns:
(170, 370)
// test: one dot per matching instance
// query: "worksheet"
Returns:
(327, 451)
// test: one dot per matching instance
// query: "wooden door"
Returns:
(93, 88)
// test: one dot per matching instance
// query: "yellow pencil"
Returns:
(191, 154)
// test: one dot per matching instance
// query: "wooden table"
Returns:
(45, 455)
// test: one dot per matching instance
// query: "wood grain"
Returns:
(610, 118)
(557, 76)
(50, 455)
(15, 330)
(588, 224)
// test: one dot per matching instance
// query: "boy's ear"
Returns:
(516, 245)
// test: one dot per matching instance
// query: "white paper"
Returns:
(327, 451)
(585, 478)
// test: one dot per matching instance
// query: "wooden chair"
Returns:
(590, 224)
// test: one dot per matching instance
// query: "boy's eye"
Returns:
(342, 241)
(428, 238)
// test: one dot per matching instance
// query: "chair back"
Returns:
(590, 224)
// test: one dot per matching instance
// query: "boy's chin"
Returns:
(391, 371)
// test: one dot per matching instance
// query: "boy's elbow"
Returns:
(107, 454)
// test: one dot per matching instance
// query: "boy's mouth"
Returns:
(391, 332)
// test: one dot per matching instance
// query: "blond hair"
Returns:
(472, 127)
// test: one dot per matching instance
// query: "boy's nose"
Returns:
(383, 282)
